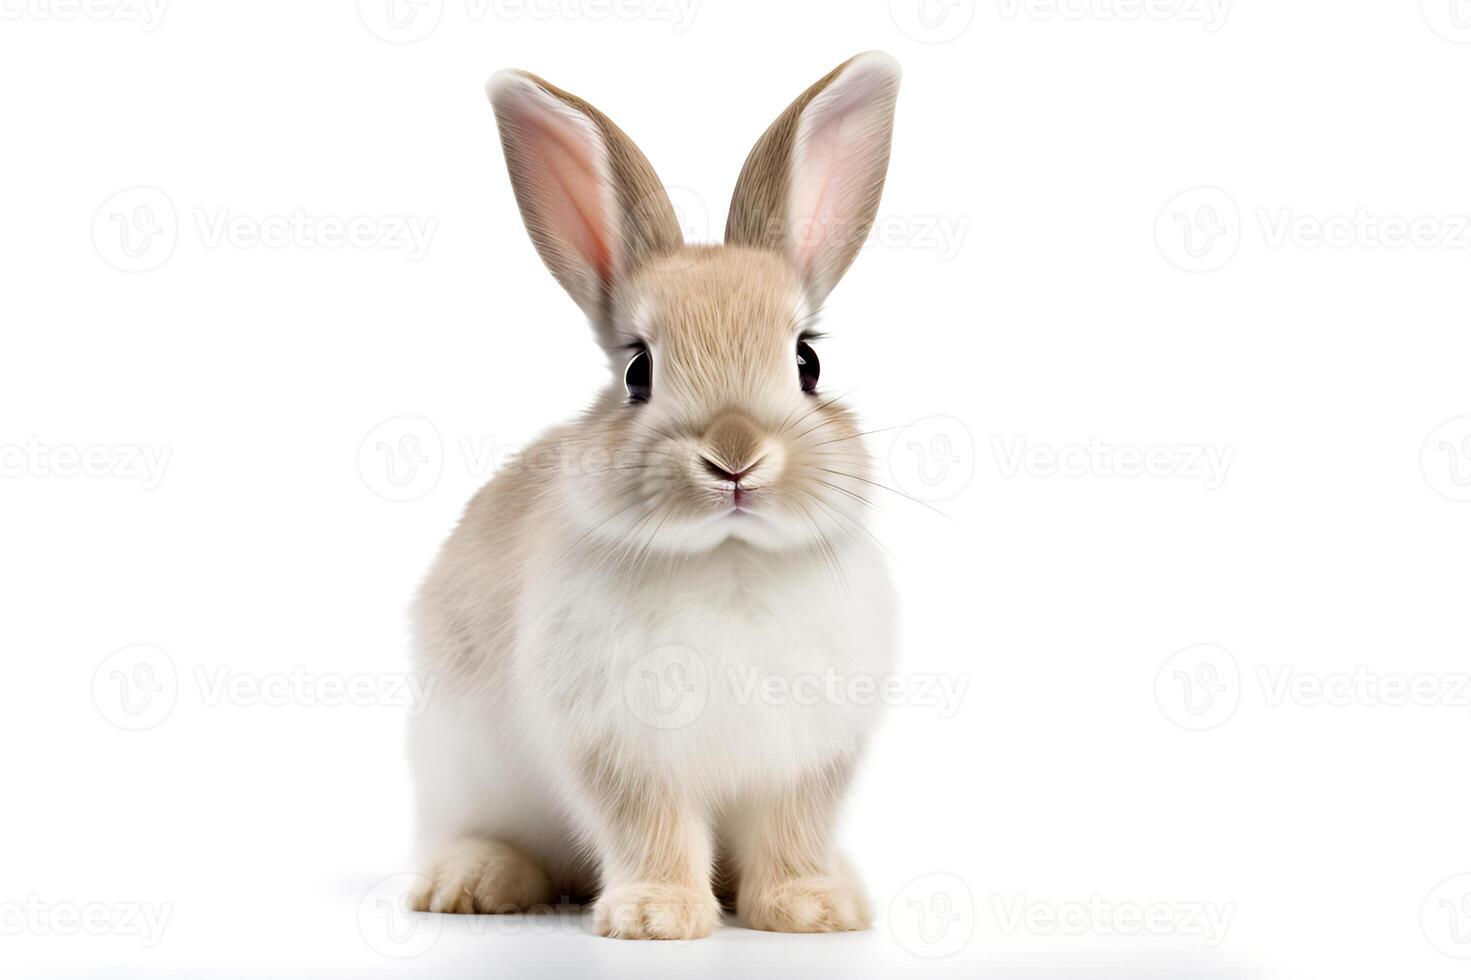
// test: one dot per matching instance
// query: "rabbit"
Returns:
(648, 639)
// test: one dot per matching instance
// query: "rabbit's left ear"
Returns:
(811, 186)
(592, 204)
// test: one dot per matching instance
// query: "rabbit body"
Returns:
(527, 681)
(654, 646)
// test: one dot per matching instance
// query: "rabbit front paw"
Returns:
(810, 904)
(655, 910)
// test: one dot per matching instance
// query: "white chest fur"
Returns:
(731, 669)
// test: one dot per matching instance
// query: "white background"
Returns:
(1048, 277)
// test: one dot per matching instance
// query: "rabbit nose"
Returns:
(733, 445)
(721, 473)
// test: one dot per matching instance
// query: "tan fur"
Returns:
(657, 856)
(764, 213)
(610, 530)
(479, 875)
(758, 208)
(642, 217)
(790, 878)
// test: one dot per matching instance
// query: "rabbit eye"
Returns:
(638, 377)
(808, 367)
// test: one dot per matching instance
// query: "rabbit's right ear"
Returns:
(810, 188)
(592, 204)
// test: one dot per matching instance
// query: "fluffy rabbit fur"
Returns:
(690, 545)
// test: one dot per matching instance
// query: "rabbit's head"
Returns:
(715, 424)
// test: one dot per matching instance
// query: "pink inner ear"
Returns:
(839, 163)
(568, 186)
(814, 202)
